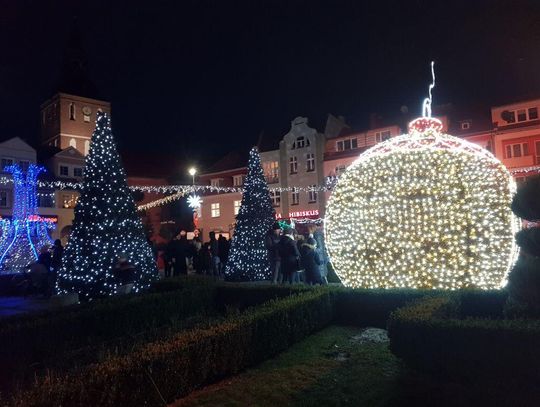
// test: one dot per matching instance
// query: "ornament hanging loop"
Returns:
(426, 106)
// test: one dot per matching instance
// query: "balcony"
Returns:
(516, 162)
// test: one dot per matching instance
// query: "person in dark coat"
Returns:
(271, 242)
(169, 257)
(290, 256)
(214, 250)
(223, 251)
(196, 247)
(45, 258)
(205, 259)
(311, 261)
(181, 252)
(318, 235)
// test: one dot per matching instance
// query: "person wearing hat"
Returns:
(271, 242)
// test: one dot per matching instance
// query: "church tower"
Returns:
(68, 118)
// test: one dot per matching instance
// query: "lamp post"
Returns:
(192, 171)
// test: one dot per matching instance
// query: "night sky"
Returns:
(201, 78)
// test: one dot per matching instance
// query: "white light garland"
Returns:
(423, 210)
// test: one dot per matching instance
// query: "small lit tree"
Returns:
(106, 225)
(248, 258)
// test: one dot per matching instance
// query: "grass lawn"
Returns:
(330, 368)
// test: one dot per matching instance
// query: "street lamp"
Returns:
(192, 171)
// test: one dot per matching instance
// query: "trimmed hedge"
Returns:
(430, 336)
(32, 341)
(165, 370)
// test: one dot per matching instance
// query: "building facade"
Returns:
(306, 158)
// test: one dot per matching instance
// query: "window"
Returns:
(6, 162)
(56, 142)
(24, 164)
(465, 125)
(237, 205)
(45, 200)
(72, 111)
(3, 199)
(310, 162)
(73, 143)
(64, 170)
(275, 196)
(215, 210)
(69, 201)
(295, 196)
(216, 182)
(533, 113)
(238, 180)
(301, 142)
(517, 150)
(382, 135)
(348, 144)
(86, 147)
(521, 115)
(271, 171)
(537, 147)
(293, 165)
(77, 172)
(340, 169)
(312, 195)
(86, 118)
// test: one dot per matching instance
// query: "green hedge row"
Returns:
(32, 343)
(432, 336)
(165, 370)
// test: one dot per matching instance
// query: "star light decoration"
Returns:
(423, 210)
(194, 202)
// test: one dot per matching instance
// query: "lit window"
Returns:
(293, 165)
(312, 194)
(465, 125)
(215, 210)
(86, 147)
(271, 171)
(275, 196)
(216, 182)
(3, 199)
(77, 172)
(72, 111)
(295, 196)
(310, 162)
(238, 180)
(237, 205)
(382, 135)
(533, 113)
(73, 143)
(6, 162)
(64, 171)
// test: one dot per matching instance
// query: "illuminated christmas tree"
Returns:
(248, 258)
(27, 232)
(106, 225)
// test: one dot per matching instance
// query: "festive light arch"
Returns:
(423, 210)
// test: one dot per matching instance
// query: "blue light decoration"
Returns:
(27, 232)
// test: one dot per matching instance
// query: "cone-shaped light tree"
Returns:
(106, 225)
(248, 258)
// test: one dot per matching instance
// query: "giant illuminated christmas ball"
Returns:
(423, 210)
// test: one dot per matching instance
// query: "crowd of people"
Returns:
(207, 258)
(295, 258)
